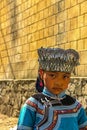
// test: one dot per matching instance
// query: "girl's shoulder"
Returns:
(34, 98)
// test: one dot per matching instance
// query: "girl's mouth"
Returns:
(56, 88)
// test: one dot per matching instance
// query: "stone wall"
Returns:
(14, 93)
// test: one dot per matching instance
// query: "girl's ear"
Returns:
(41, 72)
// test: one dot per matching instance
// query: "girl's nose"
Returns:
(58, 81)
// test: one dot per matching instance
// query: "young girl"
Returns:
(52, 109)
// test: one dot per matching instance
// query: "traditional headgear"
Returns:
(56, 59)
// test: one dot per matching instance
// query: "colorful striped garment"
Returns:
(45, 111)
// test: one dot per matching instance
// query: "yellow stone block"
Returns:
(41, 24)
(85, 70)
(34, 55)
(61, 27)
(4, 53)
(18, 2)
(74, 11)
(85, 42)
(46, 32)
(81, 21)
(67, 46)
(37, 35)
(33, 46)
(2, 47)
(41, 33)
(83, 57)
(85, 19)
(50, 21)
(18, 49)
(73, 45)
(41, 15)
(33, 64)
(67, 4)
(74, 23)
(84, 32)
(46, 13)
(80, 1)
(24, 57)
(73, 2)
(55, 27)
(42, 43)
(81, 70)
(51, 41)
(1, 69)
(62, 16)
(5, 61)
(62, 38)
(61, 46)
(51, 31)
(51, 10)
(2, 76)
(80, 45)
(41, 5)
(25, 48)
(74, 35)
(48, 3)
(84, 7)
(67, 25)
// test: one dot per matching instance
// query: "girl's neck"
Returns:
(48, 93)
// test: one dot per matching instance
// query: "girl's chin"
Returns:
(56, 92)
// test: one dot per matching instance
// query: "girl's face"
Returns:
(55, 82)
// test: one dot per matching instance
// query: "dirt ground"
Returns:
(6, 123)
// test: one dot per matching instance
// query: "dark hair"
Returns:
(39, 84)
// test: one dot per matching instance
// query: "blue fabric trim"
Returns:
(26, 117)
(83, 125)
(82, 118)
(32, 99)
(24, 128)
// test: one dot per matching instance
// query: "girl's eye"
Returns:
(65, 76)
(52, 75)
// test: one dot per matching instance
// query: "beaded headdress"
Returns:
(57, 59)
